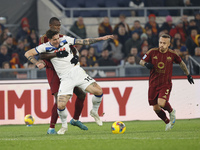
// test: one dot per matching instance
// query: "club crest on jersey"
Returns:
(169, 58)
(62, 43)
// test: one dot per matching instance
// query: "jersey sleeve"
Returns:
(43, 39)
(147, 57)
(40, 49)
(177, 58)
(70, 40)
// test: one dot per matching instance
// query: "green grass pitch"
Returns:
(139, 135)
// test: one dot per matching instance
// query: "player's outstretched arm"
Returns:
(59, 54)
(185, 70)
(30, 56)
(47, 56)
(92, 40)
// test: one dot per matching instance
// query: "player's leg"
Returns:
(163, 101)
(78, 109)
(54, 117)
(79, 102)
(95, 89)
(153, 101)
(62, 112)
(166, 106)
(54, 83)
(161, 114)
(88, 84)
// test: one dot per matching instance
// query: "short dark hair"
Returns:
(51, 33)
(53, 19)
(166, 36)
(130, 55)
(137, 21)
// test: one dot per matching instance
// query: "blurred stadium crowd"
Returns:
(131, 42)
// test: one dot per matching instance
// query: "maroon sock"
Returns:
(161, 114)
(54, 116)
(168, 107)
(78, 108)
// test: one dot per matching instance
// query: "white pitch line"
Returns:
(133, 138)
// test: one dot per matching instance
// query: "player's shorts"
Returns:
(76, 77)
(54, 81)
(159, 92)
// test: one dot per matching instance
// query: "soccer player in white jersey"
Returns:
(69, 72)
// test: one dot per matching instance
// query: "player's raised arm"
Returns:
(30, 56)
(185, 70)
(92, 40)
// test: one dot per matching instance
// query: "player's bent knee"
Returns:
(62, 101)
(99, 91)
(60, 107)
(156, 108)
(79, 93)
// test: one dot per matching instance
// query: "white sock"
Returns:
(96, 101)
(63, 117)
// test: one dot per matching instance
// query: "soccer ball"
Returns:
(29, 119)
(118, 127)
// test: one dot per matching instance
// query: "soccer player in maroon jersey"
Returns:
(54, 82)
(160, 62)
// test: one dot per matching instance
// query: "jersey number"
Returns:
(88, 78)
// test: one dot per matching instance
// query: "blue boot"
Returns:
(78, 124)
(51, 131)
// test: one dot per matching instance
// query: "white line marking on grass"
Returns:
(91, 138)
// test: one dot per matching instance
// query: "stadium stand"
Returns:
(93, 19)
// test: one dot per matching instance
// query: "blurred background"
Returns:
(135, 24)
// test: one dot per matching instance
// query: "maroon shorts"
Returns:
(159, 92)
(54, 81)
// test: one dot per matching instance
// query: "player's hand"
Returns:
(41, 61)
(106, 37)
(74, 60)
(149, 65)
(61, 54)
(40, 64)
(190, 79)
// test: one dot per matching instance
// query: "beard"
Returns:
(162, 49)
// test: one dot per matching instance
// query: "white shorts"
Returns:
(76, 77)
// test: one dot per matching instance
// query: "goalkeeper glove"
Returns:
(61, 54)
(74, 60)
(190, 79)
(149, 65)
